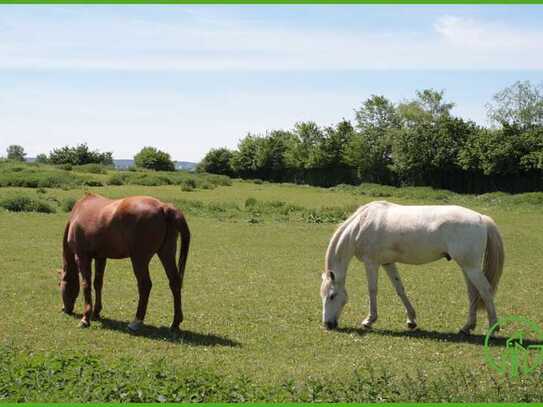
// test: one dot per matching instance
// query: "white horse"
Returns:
(383, 233)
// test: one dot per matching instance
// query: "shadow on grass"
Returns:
(163, 333)
(437, 336)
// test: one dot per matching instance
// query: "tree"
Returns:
(429, 106)
(79, 155)
(426, 152)
(42, 158)
(330, 152)
(521, 104)
(369, 150)
(217, 161)
(16, 153)
(376, 113)
(154, 159)
(307, 137)
(492, 152)
(244, 161)
(271, 157)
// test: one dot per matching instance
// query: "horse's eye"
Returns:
(331, 298)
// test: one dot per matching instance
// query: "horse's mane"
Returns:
(337, 235)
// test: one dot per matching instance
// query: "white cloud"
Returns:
(211, 44)
(476, 34)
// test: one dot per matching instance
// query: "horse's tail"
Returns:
(178, 219)
(494, 257)
(68, 257)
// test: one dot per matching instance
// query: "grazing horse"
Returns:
(383, 234)
(136, 227)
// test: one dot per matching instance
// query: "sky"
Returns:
(189, 78)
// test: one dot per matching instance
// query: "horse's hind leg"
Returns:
(141, 271)
(371, 273)
(472, 307)
(396, 281)
(99, 268)
(478, 279)
(167, 258)
(84, 266)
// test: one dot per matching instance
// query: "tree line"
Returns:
(413, 142)
(147, 158)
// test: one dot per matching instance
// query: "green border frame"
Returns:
(282, 2)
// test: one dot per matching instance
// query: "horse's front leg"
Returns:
(371, 273)
(99, 268)
(84, 266)
(396, 281)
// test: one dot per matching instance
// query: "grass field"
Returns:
(252, 307)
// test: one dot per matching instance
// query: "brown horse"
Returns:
(137, 227)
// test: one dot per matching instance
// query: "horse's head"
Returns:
(69, 288)
(334, 298)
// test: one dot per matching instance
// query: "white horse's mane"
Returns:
(333, 245)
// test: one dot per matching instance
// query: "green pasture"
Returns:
(252, 307)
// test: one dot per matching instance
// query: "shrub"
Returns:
(23, 203)
(68, 204)
(188, 185)
(92, 168)
(154, 159)
(217, 161)
(79, 155)
(93, 183)
(16, 153)
(219, 180)
(250, 202)
(116, 179)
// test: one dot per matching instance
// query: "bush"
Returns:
(217, 161)
(68, 204)
(188, 185)
(93, 183)
(92, 168)
(79, 155)
(154, 159)
(16, 153)
(23, 203)
(116, 179)
(250, 202)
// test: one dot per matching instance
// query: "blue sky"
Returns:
(188, 78)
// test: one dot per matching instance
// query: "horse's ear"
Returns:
(331, 275)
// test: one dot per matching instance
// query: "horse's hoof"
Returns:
(412, 325)
(67, 312)
(175, 330)
(84, 323)
(366, 326)
(465, 332)
(135, 325)
(97, 317)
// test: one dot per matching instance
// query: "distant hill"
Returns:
(124, 164)
(179, 165)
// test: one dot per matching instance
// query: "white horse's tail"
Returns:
(494, 257)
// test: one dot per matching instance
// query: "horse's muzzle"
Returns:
(330, 325)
